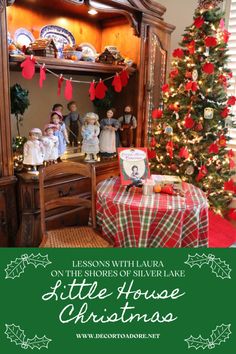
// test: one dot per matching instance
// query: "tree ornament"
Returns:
(116, 83)
(173, 167)
(165, 88)
(231, 153)
(231, 164)
(222, 142)
(198, 22)
(191, 86)
(195, 75)
(208, 113)
(191, 47)
(92, 95)
(225, 112)
(178, 53)
(208, 68)
(198, 127)
(151, 154)
(218, 165)
(209, 4)
(157, 113)
(59, 85)
(226, 36)
(232, 214)
(28, 68)
(183, 153)
(189, 122)
(231, 101)
(176, 115)
(153, 142)
(222, 24)
(210, 41)
(213, 149)
(100, 90)
(202, 173)
(230, 186)
(42, 75)
(190, 170)
(170, 148)
(124, 76)
(168, 130)
(188, 75)
(68, 90)
(223, 80)
(174, 73)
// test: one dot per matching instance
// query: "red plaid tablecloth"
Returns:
(130, 219)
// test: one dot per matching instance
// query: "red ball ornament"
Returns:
(188, 75)
(210, 41)
(189, 122)
(225, 112)
(173, 167)
(198, 22)
(208, 68)
(178, 53)
(183, 153)
(232, 101)
(157, 113)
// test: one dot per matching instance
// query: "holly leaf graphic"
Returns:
(15, 334)
(197, 260)
(197, 343)
(38, 342)
(15, 268)
(220, 334)
(38, 260)
(220, 268)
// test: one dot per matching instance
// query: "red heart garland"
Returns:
(100, 91)
(92, 91)
(59, 85)
(42, 76)
(124, 76)
(183, 153)
(213, 149)
(116, 83)
(202, 173)
(68, 90)
(28, 66)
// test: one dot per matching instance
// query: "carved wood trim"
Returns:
(1, 5)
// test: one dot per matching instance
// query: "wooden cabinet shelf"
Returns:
(62, 65)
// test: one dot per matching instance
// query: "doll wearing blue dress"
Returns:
(60, 132)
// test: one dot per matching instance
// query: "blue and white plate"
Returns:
(23, 36)
(88, 49)
(60, 35)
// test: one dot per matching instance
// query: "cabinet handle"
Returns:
(65, 194)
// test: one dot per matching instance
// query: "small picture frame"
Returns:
(134, 165)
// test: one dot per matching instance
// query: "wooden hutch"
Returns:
(137, 28)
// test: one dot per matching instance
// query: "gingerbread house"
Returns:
(43, 47)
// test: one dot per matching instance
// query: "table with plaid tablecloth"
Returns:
(130, 219)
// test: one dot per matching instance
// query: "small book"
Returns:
(133, 165)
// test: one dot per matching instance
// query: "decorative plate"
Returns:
(23, 37)
(60, 35)
(88, 49)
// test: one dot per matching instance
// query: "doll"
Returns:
(60, 132)
(57, 107)
(74, 123)
(128, 123)
(50, 142)
(90, 131)
(107, 139)
(34, 149)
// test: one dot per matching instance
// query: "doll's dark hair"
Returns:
(113, 111)
(131, 108)
(70, 104)
(55, 114)
(57, 105)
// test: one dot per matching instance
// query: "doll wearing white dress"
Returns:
(33, 149)
(90, 131)
(51, 143)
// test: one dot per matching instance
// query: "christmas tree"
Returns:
(190, 132)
